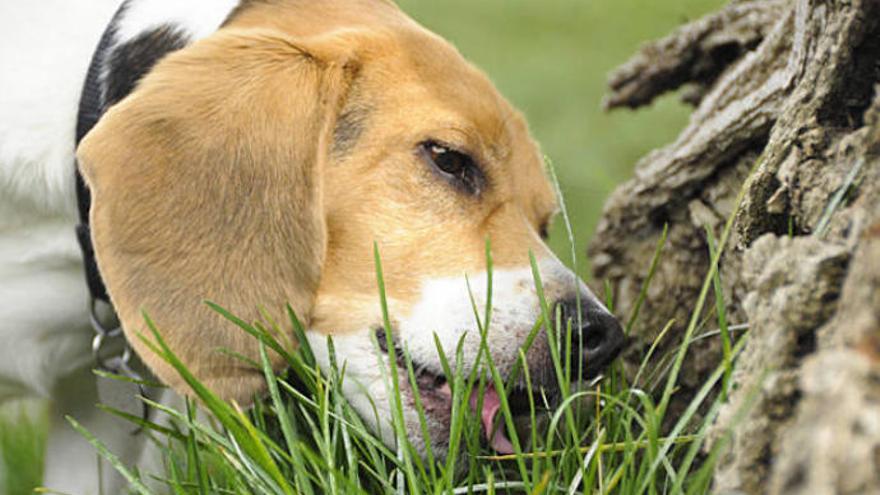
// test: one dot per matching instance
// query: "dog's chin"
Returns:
(435, 398)
(364, 386)
(435, 401)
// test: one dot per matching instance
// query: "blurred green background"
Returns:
(551, 59)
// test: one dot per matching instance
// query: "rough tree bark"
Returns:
(788, 110)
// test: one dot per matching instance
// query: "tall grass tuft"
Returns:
(305, 437)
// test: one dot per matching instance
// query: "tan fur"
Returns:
(217, 179)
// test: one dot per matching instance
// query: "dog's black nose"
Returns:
(595, 342)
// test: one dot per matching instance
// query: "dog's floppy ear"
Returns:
(206, 185)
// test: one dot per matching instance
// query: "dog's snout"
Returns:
(596, 336)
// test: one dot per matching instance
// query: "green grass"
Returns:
(23, 427)
(306, 438)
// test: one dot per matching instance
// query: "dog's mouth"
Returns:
(435, 395)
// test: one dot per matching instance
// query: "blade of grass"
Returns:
(290, 436)
(837, 199)
(703, 477)
(721, 310)
(561, 378)
(395, 399)
(138, 420)
(643, 291)
(701, 299)
(197, 468)
(238, 425)
(133, 481)
(566, 221)
(647, 358)
(498, 382)
(687, 414)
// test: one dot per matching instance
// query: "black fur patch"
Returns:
(127, 63)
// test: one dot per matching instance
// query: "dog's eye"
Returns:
(450, 161)
(456, 166)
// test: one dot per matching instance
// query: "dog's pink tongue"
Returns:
(491, 405)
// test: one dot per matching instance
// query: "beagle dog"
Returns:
(251, 153)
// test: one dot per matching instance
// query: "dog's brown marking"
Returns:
(217, 179)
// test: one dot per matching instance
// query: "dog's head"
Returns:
(258, 167)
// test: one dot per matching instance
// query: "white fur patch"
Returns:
(363, 384)
(45, 49)
(446, 309)
(44, 325)
(199, 18)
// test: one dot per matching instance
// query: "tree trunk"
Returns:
(787, 111)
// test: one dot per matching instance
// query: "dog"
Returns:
(251, 153)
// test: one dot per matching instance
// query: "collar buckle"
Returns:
(113, 353)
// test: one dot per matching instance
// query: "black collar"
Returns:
(109, 347)
(91, 107)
